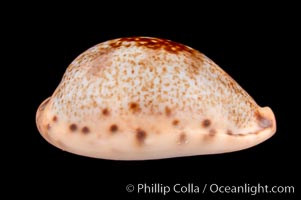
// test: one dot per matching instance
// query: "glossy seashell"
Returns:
(142, 98)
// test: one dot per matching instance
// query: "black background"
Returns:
(255, 47)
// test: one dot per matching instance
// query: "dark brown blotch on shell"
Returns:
(85, 130)
(206, 123)
(175, 122)
(54, 119)
(140, 136)
(134, 107)
(113, 128)
(105, 112)
(73, 127)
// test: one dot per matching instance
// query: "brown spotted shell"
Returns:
(144, 98)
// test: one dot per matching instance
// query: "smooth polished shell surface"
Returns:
(142, 98)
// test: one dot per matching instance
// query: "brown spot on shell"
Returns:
(229, 132)
(48, 127)
(113, 128)
(85, 130)
(134, 107)
(105, 112)
(73, 127)
(182, 138)
(116, 44)
(175, 122)
(140, 135)
(54, 119)
(206, 123)
(167, 111)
